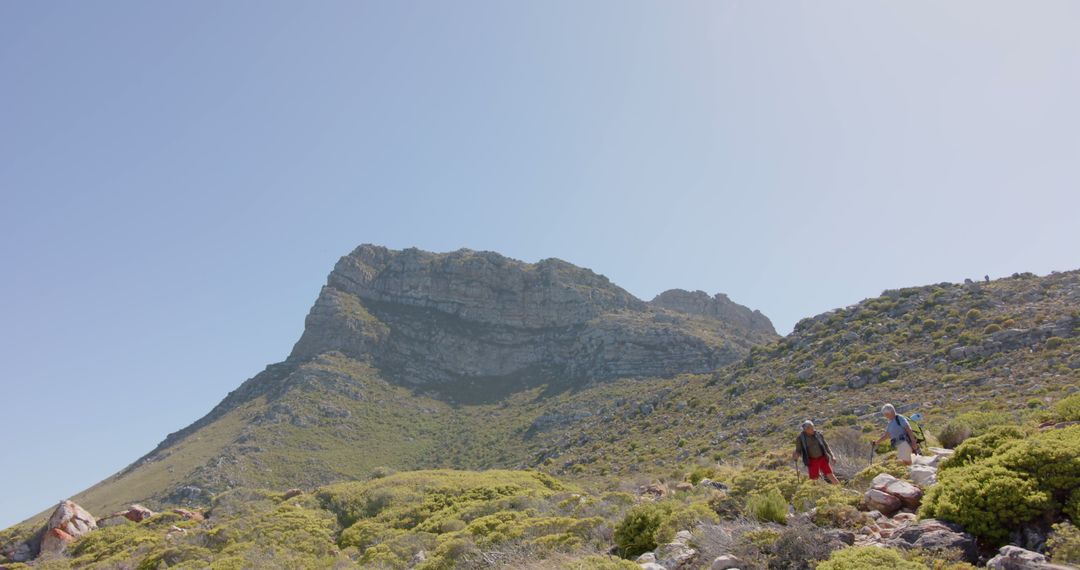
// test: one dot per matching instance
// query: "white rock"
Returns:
(647, 557)
(726, 562)
(923, 476)
(652, 566)
(882, 481)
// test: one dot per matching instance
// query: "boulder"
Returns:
(941, 451)
(1015, 558)
(726, 562)
(926, 460)
(882, 481)
(909, 494)
(293, 493)
(72, 519)
(55, 541)
(137, 513)
(935, 535)
(652, 566)
(68, 522)
(923, 475)
(684, 487)
(646, 558)
(882, 501)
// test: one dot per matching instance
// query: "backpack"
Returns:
(916, 429)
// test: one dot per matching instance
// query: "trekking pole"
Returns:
(872, 446)
(798, 474)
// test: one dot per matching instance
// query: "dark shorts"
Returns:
(819, 465)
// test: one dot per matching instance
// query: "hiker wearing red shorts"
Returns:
(815, 452)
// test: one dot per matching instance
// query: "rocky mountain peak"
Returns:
(442, 319)
(718, 306)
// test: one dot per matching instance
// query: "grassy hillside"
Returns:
(1019, 350)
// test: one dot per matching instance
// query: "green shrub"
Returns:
(868, 558)
(1054, 342)
(991, 329)
(983, 446)
(987, 500)
(953, 434)
(768, 507)
(637, 533)
(1068, 409)
(702, 472)
(647, 525)
(761, 481)
(598, 562)
(1052, 458)
(1064, 544)
(974, 315)
(969, 425)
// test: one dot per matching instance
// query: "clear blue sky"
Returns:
(176, 179)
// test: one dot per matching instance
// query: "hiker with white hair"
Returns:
(815, 452)
(898, 431)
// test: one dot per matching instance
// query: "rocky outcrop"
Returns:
(1016, 558)
(936, 536)
(1012, 339)
(718, 307)
(469, 319)
(67, 522)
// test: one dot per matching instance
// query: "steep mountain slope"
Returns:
(413, 359)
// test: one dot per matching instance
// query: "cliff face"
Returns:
(470, 318)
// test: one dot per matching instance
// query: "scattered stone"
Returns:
(726, 562)
(856, 382)
(291, 493)
(655, 490)
(674, 554)
(190, 515)
(21, 552)
(713, 484)
(418, 558)
(646, 558)
(684, 487)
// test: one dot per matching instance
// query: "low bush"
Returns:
(969, 425)
(987, 500)
(768, 507)
(1064, 544)
(983, 446)
(647, 525)
(868, 558)
(1068, 409)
